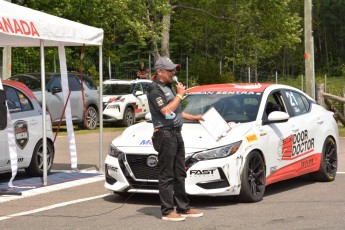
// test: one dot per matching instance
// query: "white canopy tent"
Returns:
(24, 27)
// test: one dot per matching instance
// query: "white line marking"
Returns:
(51, 207)
(51, 188)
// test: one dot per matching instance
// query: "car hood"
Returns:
(196, 138)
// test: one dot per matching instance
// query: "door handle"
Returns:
(295, 130)
(320, 122)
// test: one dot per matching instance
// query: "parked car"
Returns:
(125, 101)
(55, 99)
(277, 133)
(26, 116)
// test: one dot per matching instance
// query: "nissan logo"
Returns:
(152, 161)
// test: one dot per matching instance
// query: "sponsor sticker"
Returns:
(252, 138)
(21, 133)
(297, 144)
(159, 101)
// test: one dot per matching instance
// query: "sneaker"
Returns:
(173, 216)
(192, 213)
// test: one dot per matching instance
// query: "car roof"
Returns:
(20, 86)
(125, 81)
(230, 87)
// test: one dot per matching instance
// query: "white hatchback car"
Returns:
(277, 133)
(26, 116)
(125, 100)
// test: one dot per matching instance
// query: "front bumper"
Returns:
(132, 174)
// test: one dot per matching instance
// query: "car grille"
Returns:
(140, 168)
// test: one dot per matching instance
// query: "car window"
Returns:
(299, 103)
(137, 87)
(89, 82)
(55, 82)
(275, 102)
(116, 89)
(74, 83)
(17, 101)
(145, 86)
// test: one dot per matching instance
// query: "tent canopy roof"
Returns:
(21, 27)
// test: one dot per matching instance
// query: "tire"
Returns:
(91, 118)
(328, 164)
(36, 165)
(128, 117)
(253, 178)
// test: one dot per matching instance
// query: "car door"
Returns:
(291, 143)
(54, 98)
(275, 137)
(305, 128)
(141, 101)
(76, 99)
(143, 98)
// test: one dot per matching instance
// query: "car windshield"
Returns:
(117, 89)
(232, 107)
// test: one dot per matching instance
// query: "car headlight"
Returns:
(113, 106)
(221, 152)
(115, 152)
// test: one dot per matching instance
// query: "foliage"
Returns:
(263, 35)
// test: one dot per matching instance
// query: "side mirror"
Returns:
(139, 93)
(148, 117)
(3, 110)
(56, 90)
(276, 117)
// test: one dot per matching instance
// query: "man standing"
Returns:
(166, 112)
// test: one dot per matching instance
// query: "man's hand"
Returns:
(192, 117)
(181, 89)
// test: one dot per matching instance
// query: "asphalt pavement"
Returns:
(85, 204)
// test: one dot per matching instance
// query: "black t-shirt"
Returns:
(159, 95)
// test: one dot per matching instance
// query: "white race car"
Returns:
(277, 132)
(125, 100)
(26, 116)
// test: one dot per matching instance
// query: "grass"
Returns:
(341, 131)
(77, 130)
(112, 128)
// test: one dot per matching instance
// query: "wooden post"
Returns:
(319, 95)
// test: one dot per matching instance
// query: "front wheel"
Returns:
(253, 178)
(128, 117)
(328, 164)
(91, 118)
(36, 165)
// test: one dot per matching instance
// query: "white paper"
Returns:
(215, 124)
